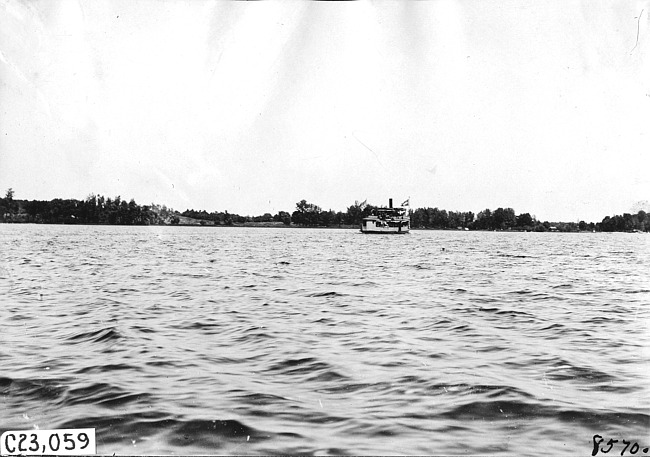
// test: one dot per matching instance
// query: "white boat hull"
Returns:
(398, 228)
(388, 232)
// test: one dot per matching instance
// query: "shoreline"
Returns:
(280, 225)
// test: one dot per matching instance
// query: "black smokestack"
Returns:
(390, 202)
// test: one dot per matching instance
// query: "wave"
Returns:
(105, 335)
(107, 369)
(25, 390)
(211, 434)
(327, 294)
(563, 370)
(308, 368)
(104, 394)
(194, 435)
(508, 410)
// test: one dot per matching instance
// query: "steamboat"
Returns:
(391, 220)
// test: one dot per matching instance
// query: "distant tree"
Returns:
(416, 218)
(134, 215)
(266, 217)
(455, 219)
(368, 210)
(438, 218)
(283, 217)
(306, 214)
(328, 218)
(339, 218)
(9, 206)
(628, 222)
(566, 226)
(298, 218)
(355, 213)
(302, 206)
(524, 220)
(484, 220)
(236, 218)
(422, 218)
(643, 222)
(468, 218)
(503, 218)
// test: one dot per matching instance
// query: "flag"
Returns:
(406, 203)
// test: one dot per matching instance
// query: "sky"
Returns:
(542, 106)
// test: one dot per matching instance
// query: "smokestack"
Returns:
(390, 202)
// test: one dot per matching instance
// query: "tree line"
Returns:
(308, 214)
(305, 215)
(97, 209)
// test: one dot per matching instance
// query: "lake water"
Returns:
(192, 340)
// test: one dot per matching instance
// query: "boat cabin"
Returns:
(387, 220)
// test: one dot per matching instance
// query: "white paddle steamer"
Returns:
(392, 220)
